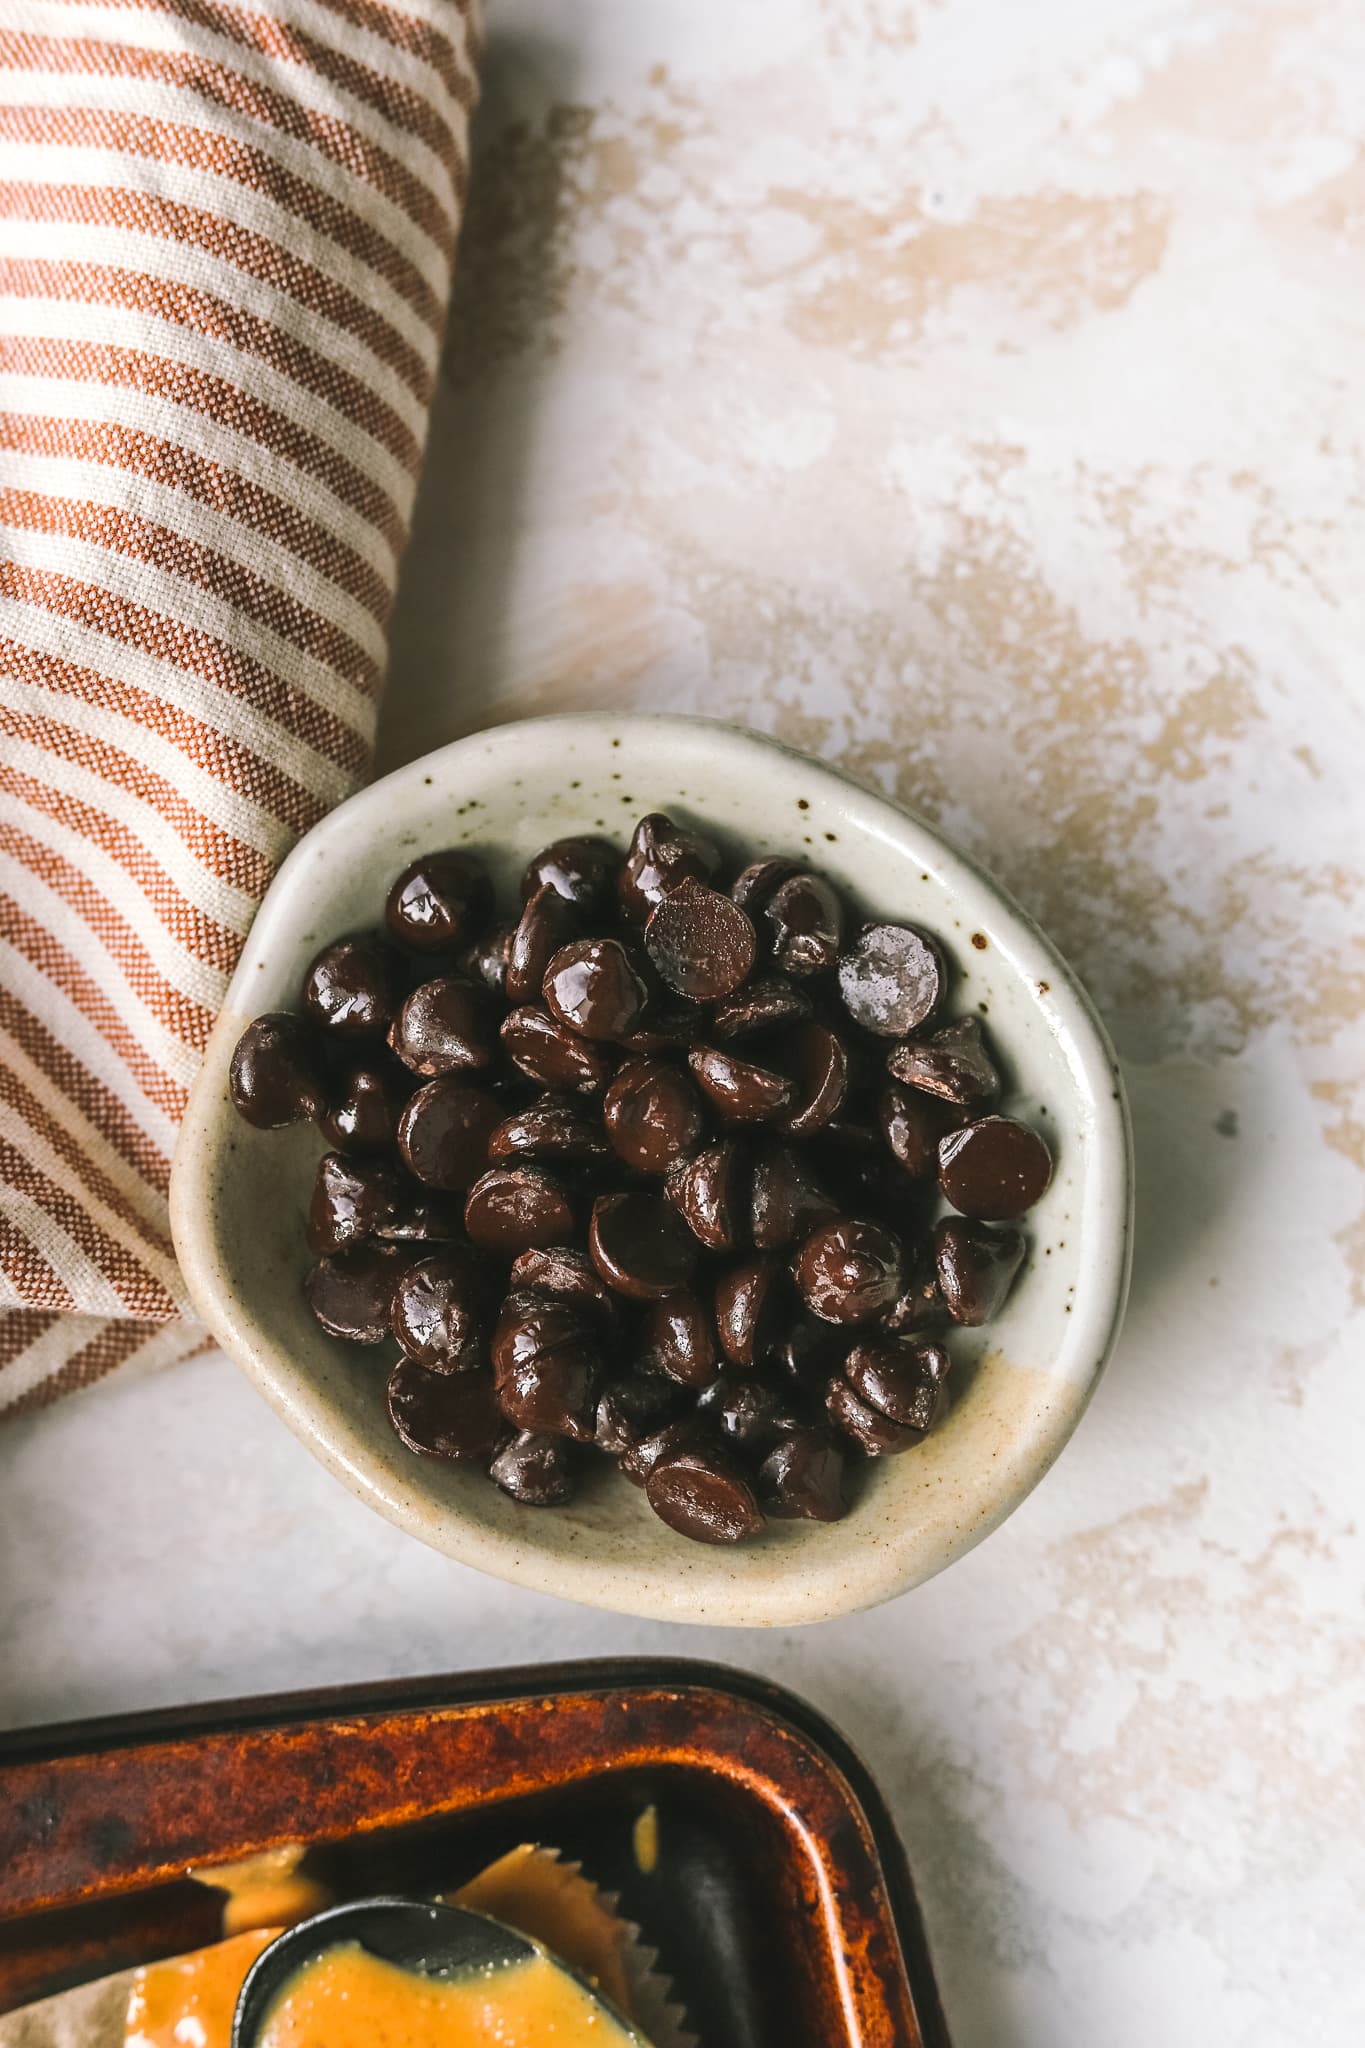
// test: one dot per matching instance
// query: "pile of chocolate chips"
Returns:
(649, 1174)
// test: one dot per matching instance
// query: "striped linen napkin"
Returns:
(226, 234)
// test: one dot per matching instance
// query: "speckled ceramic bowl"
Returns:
(238, 1196)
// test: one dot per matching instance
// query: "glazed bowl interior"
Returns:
(239, 1196)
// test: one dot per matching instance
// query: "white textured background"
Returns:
(971, 393)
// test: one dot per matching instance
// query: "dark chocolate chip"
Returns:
(701, 944)
(555, 1392)
(354, 986)
(530, 1324)
(993, 1169)
(555, 1127)
(653, 1115)
(976, 1267)
(485, 962)
(919, 1306)
(276, 1076)
(446, 1026)
(802, 1477)
(641, 1246)
(739, 1090)
(849, 1270)
(872, 1431)
(352, 1199)
(809, 1350)
(547, 924)
(678, 1340)
(710, 1193)
(592, 987)
(634, 1407)
(804, 923)
(550, 1053)
(751, 1309)
(351, 1293)
(669, 1024)
(745, 1413)
(662, 854)
(640, 1458)
(439, 902)
(535, 1469)
(444, 1130)
(787, 1198)
(421, 1218)
(753, 888)
(583, 871)
(509, 1209)
(912, 1125)
(560, 1270)
(363, 1113)
(952, 1063)
(815, 1061)
(435, 1312)
(891, 979)
(444, 1415)
(764, 1004)
(901, 1377)
(702, 1495)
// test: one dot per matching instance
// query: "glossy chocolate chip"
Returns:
(993, 1169)
(548, 1052)
(444, 1415)
(740, 1091)
(802, 1478)
(439, 902)
(444, 1130)
(815, 1061)
(704, 1496)
(809, 1350)
(804, 924)
(662, 854)
(975, 1267)
(912, 1125)
(745, 1413)
(435, 1312)
(353, 987)
(556, 1127)
(753, 888)
(547, 924)
(700, 943)
(592, 988)
(421, 1218)
(640, 1458)
(555, 1392)
(351, 1293)
(920, 1305)
(446, 1026)
(763, 1004)
(363, 1113)
(570, 1274)
(873, 1432)
(509, 1209)
(710, 1193)
(952, 1063)
(751, 1308)
(787, 1198)
(352, 1199)
(530, 1324)
(849, 1270)
(485, 962)
(678, 1340)
(669, 1024)
(653, 1115)
(583, 871)
(276, 1075)
(891, 979)
(535, 1469)
(641, 1246)
(634, 1407)
(901, 1377)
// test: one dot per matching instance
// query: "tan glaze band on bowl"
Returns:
(238, 1196)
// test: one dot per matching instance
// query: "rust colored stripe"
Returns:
(24, 1266)
(117, 1342)
(418, 38)
(85, 1175)
(129, 1278)
(20, 1327)
(86, 1091)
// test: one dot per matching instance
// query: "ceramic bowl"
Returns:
(238, 1196)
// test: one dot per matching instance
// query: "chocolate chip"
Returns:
(631, 1408)
(421, 1218)
(751, 1305)
(701, 944)
(364, 1111)
(872, 1431)
(746, 1414)
(678, 1340)
(709, 1192)
(920, 1305)
(764, 1004)
(753, 888)
(446, 1026)
(809, 1350)
(583, 871)
(352, 1199)
(912, 1125)
(560, 1270)
(556, 1392)
(485, 962)
(859, 1167)
(434, 1315)
(547, 924)
(952, 1063)
(640, 1246)
(639, 1459)
(740, 1091)
(787, 1198)
(975, 1267)
(669, 1024)
(662, 854)
(444, 1130)
(804, 923)
(439, 902)
(592, 988)
(351, 1293)
(892, 979)
(993, 1169)
(849, 1270)
(531, 1324)
(443, 1415)
(535, 1469)
(802, 1477)
(653, 1115)
(276, 1074)
(703, 1496)
(816, 1063)
(548, 1052)
(511, 1208)
(555, 1127)
(354, 986)
(901, 1377)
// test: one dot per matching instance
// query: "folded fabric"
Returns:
(226, 235)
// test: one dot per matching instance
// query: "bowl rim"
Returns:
(597, 1583)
